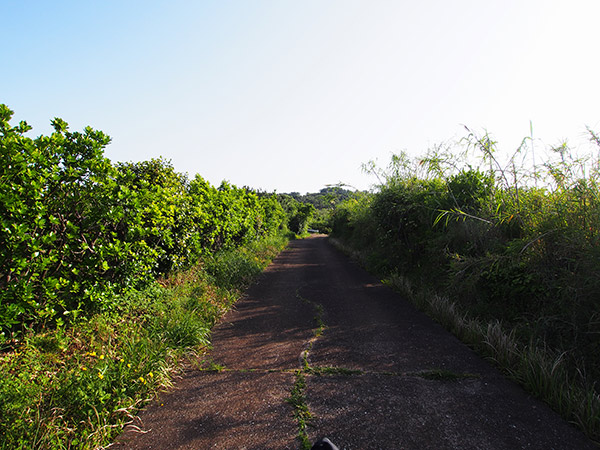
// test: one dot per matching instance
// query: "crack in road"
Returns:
(317, 332)
(297, 398)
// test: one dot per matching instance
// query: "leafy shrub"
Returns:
(76, 230)
(53, 192)
(470, 189)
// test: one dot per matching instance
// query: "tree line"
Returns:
(76, 229)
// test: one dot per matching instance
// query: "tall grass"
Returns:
(506, 255)
(76, 387)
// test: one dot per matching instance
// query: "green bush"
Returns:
(75, 387)
(87, 332)
(76, 230)
(55, 252)
(298, 214)
(501, 247)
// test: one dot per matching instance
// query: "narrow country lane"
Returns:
(373, 372)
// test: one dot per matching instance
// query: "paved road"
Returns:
(368, 353)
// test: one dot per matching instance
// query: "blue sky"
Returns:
(295, 95)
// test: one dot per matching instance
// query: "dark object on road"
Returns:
(324, 444)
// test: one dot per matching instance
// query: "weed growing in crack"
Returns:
(302, 415)
(212, 366)
(305, 353)
(320, 312)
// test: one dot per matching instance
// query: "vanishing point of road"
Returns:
(369, 360)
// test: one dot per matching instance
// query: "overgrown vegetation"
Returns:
(76, 230)
(298, 214)
(110, 274)
(75, 387)
(508, 252)
(320, 204)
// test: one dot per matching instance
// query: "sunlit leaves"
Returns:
(75, 229)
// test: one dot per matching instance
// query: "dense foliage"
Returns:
(109, 275)
(326, 198)
(76, 229)
(505, 243)
(323, 202)
(298, 214)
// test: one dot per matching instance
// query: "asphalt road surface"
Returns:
(369, 360)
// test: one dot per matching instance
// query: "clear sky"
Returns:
(293, 95)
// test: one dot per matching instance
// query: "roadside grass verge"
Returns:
(76, 387)
(541, 371)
